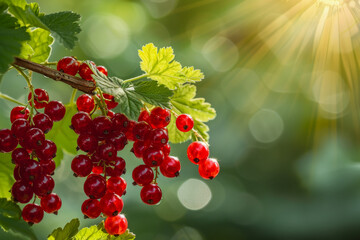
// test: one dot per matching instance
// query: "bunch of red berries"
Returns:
(33, 160)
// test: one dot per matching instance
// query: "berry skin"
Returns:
(48, 167)
(91, 208)
(107, 152)
(68, 65)
(82, 165)
(110, 114)
(20, 127)
(140, 130)
(30, 170)
(41, 98)
(17, 173)
(139, 148)
(97, 169)
(166, 149)
(142, 175)
(43, 185)
(111, 204)
(22, 191)
(43, 122)
(85, 71)
(151, 194)
(51, 203)
(110, 101)
(118, 139)
(7, 141)
(34, 138)
(85, 103)
(209, 168)
(153, 157)
(81, 122)
(102, 69)
(55, 110)
(95, 186)
(120, 122)
(87, 143)
(129, 133)
(197, 152)
(116, 225)
(19, 112)
(103, 127)
(159, 137)
(159, 117)
(32, 213)
(47, 151)
(144, 116)
(116, 185)
(116, 168)
(184, 122)
(19, 156)
(170, 167)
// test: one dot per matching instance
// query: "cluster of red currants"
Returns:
(33, 161)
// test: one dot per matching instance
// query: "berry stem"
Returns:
(7, 97)
(49, 63)
(156, 174)
(73, 95)
(101, 102)
(135, 78)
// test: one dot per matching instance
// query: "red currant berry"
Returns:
(81, 122)
(41, 98)
(87, 143)
(47, 151)
(144, 116)
(16, 174)
(20, 155)
(142, 175)
(19, 112)
(85, 103)
(159, 137)
(51, 203)
(20, 127)
(118, 139)
(120, 122)
(116, 168)
(85, 71)
(32, 213)
(22, 191)
(30, 170)
(170, 167)
(97, 169)
(102, 127)
(95, 186)
(184, 122)
(116, 185)
(129, 133)
(43, 122)
(102, 69)
(110, 114)
(166, 149)
(34, 138)
(159, 117)
(7, 141)
(139, 148)
(197, 152)
(107, 152)
(43, 185)
(68, 65)
(110, 101)
(48, 167)
(153, 157)
(111, 204)
(116, 225)
(91, 208)
(55, 110)
(151, 194)
(209, 168)
(82, 165)
(140, 130)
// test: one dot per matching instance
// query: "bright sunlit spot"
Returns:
(194, 194)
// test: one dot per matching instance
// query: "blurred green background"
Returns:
(286, 132)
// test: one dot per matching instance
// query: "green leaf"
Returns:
(63, 136)
(127, 235)
(153, 93)
(9, 209)
(11, 37)
(92, 233)
(202, 129)
(161, 67)
(6, 175)
(38, 48)
(67, 232)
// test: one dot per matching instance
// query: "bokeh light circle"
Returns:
(194, 194)
(266, 125)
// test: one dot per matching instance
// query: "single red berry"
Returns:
(110, 101)
(7, 141)
(129, 133)
(184, 122)
(209, 168)
(20, 155)
(139, 148)
(32, 213)
(48, 167)
(166, 149)
(30, 170)
(91, 208)
(82, 165)
(116, 167)
(110, 114)
(87, 143)
(197, 152)
(116, 185)
(97, 169)
(102, 127)
(55, 110)
(144, 116)
(140, 130)
(102, 69)
(34, 138)
(120, 122)
(118, 139)
(81, 122)
(43, 122)
(51, 203)
(22, 191)
(116, 225)
(68, 65)
(85, 103)
(170, 167)
(16, 174)
(19, 112)
(43, 185)
(41, 98)
(47, 151)
(95, 186)
(111, 204)
(159, 137)
(142, 175)
(153, 157)
(19, 127)
(107, 152)
(85, 71)
(159, 117)
(151, 194)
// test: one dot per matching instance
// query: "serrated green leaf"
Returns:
(67, 232)
(9, 209)
(6, 175)
(202, 129)
(38, 48)
(91, 233)
(63, 136)
(11, 37)
(153, 93)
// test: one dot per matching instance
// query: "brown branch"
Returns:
(75, 82)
